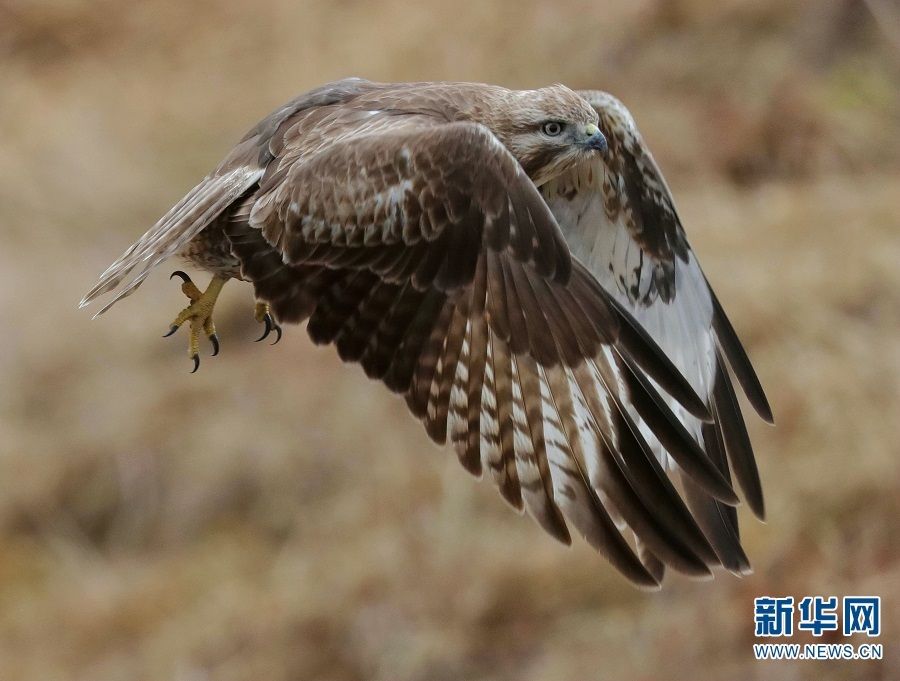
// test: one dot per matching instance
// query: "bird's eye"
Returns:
(552, 128)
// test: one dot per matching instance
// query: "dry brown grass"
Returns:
(277, 517)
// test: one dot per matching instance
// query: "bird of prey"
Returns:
(512, 263)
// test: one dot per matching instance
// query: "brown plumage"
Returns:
(484, 254)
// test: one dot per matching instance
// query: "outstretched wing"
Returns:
(619, 219)
(237, 173)
(421, 250)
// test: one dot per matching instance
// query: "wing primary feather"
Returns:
(592, 308)
(739, 361)
(338, 302)
(710, 516)
(476, 366)
(497, 312)
(617, 486)
(385, 342)
(653, 565)
(568, 343)
(458, 407)
(676, 517)
(630, 476)
(419, 396)
(489, 430)
(674, 437)
(531, 452)
(584, 332)
(508, 475)
(541, 338)
(403, 366)
(717, 520)
(584, 509)
(715, 447)
(518, 328)
(650, 357)
(737, 441)
(437, 426)
(361, 326)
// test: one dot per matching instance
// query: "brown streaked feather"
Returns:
(439, 398)
(359, 327)
(478, 338)
(386, 341)
(504, 470)
(586, 512)
(638, 487)
(297, 215)
(428, 366)
(458, 412)
(337, 304)
(532, 466)
(412, 349)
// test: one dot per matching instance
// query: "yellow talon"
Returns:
(264, 316)
(260, 312)
(199, 314)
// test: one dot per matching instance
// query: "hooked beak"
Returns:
(593, 139)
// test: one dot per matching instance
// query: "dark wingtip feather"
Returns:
(554, 525)
(740, 362)
(737, 441)
(718, 521)
(653, 565)
(712, 516)
(640, 490)
(674, 437)
(647, 354)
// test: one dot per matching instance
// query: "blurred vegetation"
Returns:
(278, 517)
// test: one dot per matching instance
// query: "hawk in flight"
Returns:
(512, 263)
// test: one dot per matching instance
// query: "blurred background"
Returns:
(276, 516)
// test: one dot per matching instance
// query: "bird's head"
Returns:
(549, 130)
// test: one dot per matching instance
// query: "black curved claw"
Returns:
(178, 273)
(268, 321)
(278, 332)
(214, 339)
(172, 329)
(196, 359)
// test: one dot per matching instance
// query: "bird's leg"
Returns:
(199, 314)
(264, 316)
